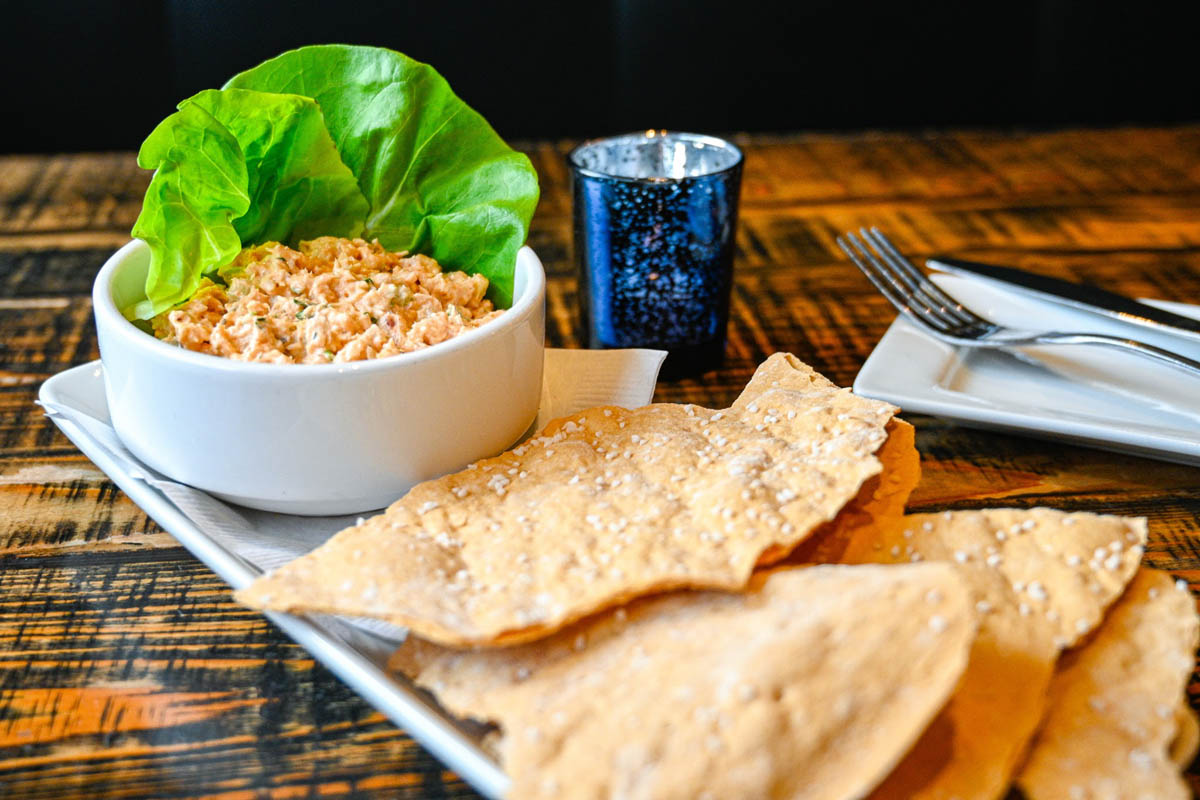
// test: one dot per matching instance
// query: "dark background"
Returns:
(99, 75)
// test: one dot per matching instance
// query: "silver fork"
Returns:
(920, 299)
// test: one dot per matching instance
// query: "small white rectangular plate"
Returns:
(1085, 394)
(355, 655)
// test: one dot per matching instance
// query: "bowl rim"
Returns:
(107, 314)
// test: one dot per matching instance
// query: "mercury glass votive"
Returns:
(655, 214)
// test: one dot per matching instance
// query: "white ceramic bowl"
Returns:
(322, 438)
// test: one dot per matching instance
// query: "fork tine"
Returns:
(894, 290)
(904, 282)
(918, 282)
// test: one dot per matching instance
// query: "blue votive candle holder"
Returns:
(655, 215)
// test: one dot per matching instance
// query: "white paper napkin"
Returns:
(574, 380)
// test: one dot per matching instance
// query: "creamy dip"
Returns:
(331, 300)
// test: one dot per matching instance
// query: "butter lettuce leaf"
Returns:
(234, 168)
(437, 178)
(200, 186)
(299, 187)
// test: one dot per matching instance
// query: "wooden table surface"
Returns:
(127, 671)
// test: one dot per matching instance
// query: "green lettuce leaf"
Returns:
(437, 178)
(198, 189)
(251, 167)
(299, 187)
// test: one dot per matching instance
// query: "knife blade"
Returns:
(1076, 295)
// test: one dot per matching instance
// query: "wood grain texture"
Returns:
(126, 670)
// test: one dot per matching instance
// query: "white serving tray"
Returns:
(355, 651)
(1084, 394)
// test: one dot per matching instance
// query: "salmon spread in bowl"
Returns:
(330, 300)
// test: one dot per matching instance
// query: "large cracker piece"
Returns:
(809, 686)
(600, 507)
(1040, 579)
(1113, 702)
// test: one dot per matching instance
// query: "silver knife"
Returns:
(1076, 295)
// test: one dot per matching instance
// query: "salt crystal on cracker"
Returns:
(810, 685)
(1104, 735)
(1042, 590)
(698, 500)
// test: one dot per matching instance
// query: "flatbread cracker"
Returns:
(599, 508)
(1111, 719)
(1068, 567)
(879, 504)
(810, 686)
(1039, 584)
